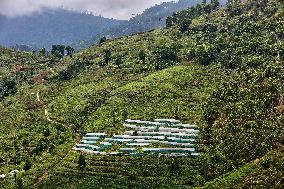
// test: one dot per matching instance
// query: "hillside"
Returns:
(266, 172)
(51, 26)
(221, 68)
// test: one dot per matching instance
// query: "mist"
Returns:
(118, 9)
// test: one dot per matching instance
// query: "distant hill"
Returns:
(152, 18)
(59, 26)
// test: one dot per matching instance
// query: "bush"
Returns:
(73, 69)
(166, 56)
(7, 87)
(27, 165)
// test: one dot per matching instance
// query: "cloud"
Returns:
(120, 9)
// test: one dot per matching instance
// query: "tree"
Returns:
(27, 165)
(124, 115)
(42, 52)
(69, 51)
(177, 112)
(40, 147)
(107, 58)
(46, 132)
(118, 61)
(169, 22)
(184, 25)
(82, 162)
(7, 87)
(166, 56)
(142, 55)
(175, 167)
(58, 51)
(214, 4)
(102, 40)
(167, 53)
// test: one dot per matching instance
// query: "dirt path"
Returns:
(37, 97)
(47, 116)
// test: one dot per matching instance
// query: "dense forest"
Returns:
(220, 67)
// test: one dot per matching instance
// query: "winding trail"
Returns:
(60, 159)
(46, 114)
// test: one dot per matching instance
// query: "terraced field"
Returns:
(161, 137)
(125, 172)
(126, 169)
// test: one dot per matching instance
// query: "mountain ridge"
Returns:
(52, 26)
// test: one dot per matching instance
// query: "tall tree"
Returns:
(69, 50)
(58, 51)
(107, 58)
(82, 162)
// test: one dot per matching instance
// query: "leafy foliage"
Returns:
(7, 87)
(247, 110)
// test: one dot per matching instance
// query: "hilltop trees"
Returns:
(42, 52)
(58, 51)
(234, 40)
(184, 18)
(102, 40)
(69, 50)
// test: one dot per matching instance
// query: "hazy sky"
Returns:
(121, 9)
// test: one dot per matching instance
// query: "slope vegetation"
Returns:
(219, 67)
